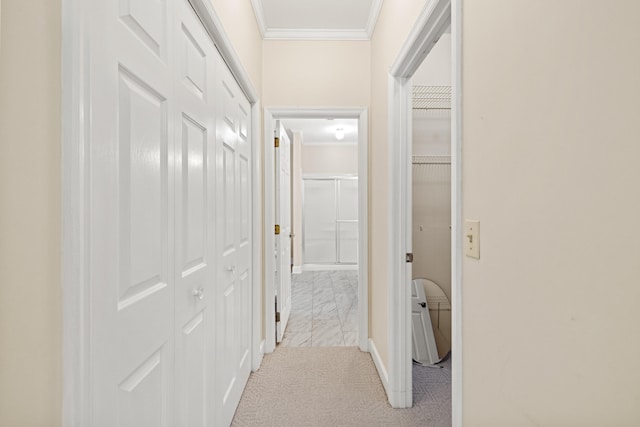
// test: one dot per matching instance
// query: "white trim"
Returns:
(374, 14)
(319, 34)
(75, 125)
(256, 198)
(297, 269)
(258, 11)
(75, 114)
(270, 115)
(330, 144)
(329, 267)
(316, 34)
(399, 295)
(268, 241)
(363, 230)
(213, 25)
(430, 25)
(382, 372)
(456, 212)
(258, 362)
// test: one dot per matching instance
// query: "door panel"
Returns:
(148, 21)
(169, 213)
(138, 399)
(130, 219)
(191, 403)
(194, 213)
(233, 325)
(143, 190)
(283, 219)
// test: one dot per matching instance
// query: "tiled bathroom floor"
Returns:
(324, 310)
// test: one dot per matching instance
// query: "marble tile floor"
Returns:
(324, 310)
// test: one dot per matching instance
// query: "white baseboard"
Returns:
(258, 362)
(297, 269)
(382, 372)
(329, 267)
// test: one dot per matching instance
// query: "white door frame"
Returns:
(430, 25)
(270, 115)
(76, 123)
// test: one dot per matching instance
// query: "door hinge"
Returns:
(277, 229)
(409, 257)
(277, 316)
(276, 142)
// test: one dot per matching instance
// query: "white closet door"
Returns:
(194, 219)
(130, 214)
(233, 284)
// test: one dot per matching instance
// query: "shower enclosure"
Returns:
(330, 220)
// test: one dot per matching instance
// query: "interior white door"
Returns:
(283, 236)
(195, 249)
(233, 284)
(130, 214)
(169, 220)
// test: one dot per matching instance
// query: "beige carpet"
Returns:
(337, 386)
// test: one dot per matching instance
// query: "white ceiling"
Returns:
(323, 131)
(317, 19)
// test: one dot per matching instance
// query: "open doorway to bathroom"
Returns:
(329, 214)
(324, 281)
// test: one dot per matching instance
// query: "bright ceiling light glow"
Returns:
(340, 134)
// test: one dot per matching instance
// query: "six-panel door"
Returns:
(168, 216)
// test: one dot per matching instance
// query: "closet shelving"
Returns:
(432, 97)
(431, 160)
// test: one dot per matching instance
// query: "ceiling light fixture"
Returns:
(339, 134)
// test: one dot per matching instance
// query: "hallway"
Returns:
(318, 377)
(337, 386)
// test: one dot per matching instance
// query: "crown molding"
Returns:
(258, 11)
(374, 14)
(315, 34)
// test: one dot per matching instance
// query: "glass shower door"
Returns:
(330, 220)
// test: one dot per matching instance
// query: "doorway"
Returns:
(342, 240)
(430, 25)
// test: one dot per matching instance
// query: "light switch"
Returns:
(471, 238)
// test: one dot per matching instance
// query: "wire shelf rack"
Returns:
(432, 97)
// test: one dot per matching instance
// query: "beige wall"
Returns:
(395, 22)
(316, 73)
(550, 167)
(333, 159)
(30, 184)
(239, 23)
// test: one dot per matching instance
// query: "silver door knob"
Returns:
(198, 293)
(231, 268)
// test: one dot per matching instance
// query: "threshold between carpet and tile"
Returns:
(337, 386)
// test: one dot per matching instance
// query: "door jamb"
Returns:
(75, 168)
(270, 115)
(428, 28)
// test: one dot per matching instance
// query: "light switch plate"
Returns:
(471, 238)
